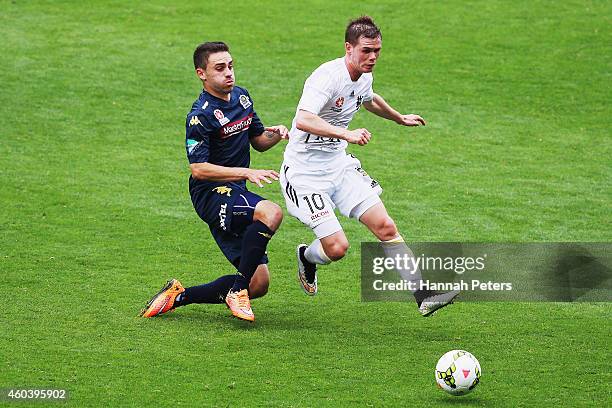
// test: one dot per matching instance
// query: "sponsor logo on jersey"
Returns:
(194, 121)
(223, 190)
(191, 145)
(205, 105)
(266, 235)
(245, 101)
(318, 215)
(237, 126)
(223, 215)
(220, 117)
(321, 140)
(352, 95)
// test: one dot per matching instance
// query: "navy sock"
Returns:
(254, 243)
(212, 292)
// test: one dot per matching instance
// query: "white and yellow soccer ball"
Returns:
(458, 372)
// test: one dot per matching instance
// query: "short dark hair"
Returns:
(362, 26)
(203, 51)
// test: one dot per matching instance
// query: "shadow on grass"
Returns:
(300, 317)
(465, 400)
(219, 319)
(222, 319)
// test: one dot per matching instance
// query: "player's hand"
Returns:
(280, 130)
(358, 136)
(259, 176)
(411, 120)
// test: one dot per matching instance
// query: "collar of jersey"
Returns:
(217, 98)
(347, 75)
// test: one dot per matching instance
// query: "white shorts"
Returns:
(312, 195)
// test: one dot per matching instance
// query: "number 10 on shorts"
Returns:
(316, 201)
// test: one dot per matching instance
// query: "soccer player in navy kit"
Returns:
(221, 127)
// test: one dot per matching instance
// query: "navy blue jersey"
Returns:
(218, 132)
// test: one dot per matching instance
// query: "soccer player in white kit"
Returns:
(317, 175)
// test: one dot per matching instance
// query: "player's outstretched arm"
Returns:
(213, 172)
(271, 136)
(380, 107)
(310, 123)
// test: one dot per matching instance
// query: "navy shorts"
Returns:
(228, 210)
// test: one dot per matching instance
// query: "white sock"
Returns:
(315, 253)
(397, 246)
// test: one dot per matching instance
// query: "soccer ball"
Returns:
(458, 372)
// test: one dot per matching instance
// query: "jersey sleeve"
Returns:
(256, 128)
(198, 138)
(318, 90)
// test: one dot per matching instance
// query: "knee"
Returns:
(386, 229)
(275, 216)
(269, 213)
(336, 250)
(258, 287)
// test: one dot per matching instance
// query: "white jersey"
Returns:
(329, 93)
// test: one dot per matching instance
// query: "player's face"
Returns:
(363, 56)
(218, 76)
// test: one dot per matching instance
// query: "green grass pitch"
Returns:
(95, 213)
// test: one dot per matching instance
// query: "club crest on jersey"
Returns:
(338, 104)
(245, 101)
(220, 117)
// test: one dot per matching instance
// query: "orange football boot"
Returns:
(240, 305)
(163, 301)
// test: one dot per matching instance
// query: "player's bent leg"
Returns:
(265, 218)
(335, 246)
(312, 205)
(260, 282)
(383, 227)
(379, 222)
(268, 213)
(320, 252)
(210, 293)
